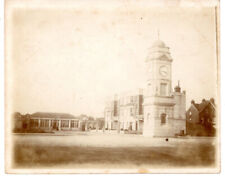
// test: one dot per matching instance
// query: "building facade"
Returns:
(163, 109)
(125, 112)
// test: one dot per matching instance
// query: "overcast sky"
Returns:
(71, 60)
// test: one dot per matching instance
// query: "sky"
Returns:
(72, 60)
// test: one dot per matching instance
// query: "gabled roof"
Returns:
(203, 105)
(213, 105)
(200, 107)
(196, 106)
(53, 115)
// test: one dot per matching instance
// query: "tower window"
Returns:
(163, 119)
(163, 87)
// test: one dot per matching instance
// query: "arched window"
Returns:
(163, 118)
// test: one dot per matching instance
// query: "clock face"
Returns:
(163, 70)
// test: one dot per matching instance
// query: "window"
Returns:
(163, 87)
(55, 124)
(122, 101)
(74, 124)
(163, 118)
(131, 112)
(42, 123)
(149, 87)
(135, 99)
(65, 123)
(131, 99)
(34, 122)
(46, 123)
(121, 112)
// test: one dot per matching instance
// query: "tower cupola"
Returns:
(159, 51)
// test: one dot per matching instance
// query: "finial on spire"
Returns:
(178, 83)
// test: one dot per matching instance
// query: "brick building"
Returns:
(200, 118)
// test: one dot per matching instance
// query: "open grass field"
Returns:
(80, 150)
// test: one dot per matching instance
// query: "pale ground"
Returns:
(93, 139)
(82, 149)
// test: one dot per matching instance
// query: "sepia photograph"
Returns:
(112, 86)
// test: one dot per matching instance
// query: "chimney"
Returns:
(212, 100)
(177, 88)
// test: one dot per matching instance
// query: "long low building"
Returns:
(55, 121)
(50, 122)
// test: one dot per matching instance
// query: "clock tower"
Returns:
(159, 101)
(159, 70)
